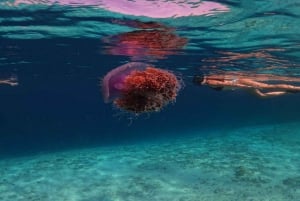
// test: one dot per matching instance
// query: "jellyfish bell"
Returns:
(113, 82)
(140, 88)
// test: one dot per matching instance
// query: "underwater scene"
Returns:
(149, 100)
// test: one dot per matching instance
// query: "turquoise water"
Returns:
(253, 163)
(60, 141)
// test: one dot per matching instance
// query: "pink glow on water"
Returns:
(161, 9)
(153, 9)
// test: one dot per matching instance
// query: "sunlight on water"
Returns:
(265, 34)
(154, 9)
(237, 24)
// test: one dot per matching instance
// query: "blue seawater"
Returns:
(60, 141)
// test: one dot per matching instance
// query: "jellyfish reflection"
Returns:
(151, 40)
(138, 87)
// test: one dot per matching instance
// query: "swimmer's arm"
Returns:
(268, 94)
(9, 82)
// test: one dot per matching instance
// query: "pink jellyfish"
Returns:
(138, 87)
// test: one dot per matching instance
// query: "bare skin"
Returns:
(255, 84)
(11, 81)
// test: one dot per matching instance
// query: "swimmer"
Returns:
(255, 84)
(11, 81)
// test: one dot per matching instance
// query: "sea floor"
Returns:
(247, 164)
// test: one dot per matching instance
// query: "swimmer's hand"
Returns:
(13, 81)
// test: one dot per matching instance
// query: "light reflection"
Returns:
(233, 56)
(151, 40)
(266, 60)
(153, 9)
